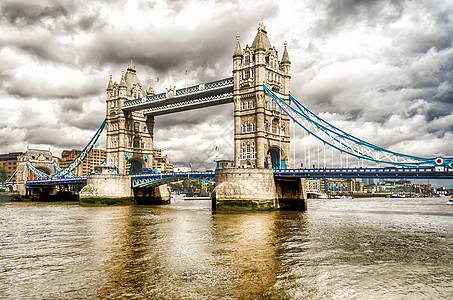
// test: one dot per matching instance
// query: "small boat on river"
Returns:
(397, 196)
(450, 201)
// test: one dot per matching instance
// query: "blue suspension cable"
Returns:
(358, 154)
(82, 155)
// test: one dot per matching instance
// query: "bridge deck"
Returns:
(150, 179)
(199, 96)
(57, 181)
(434, 173)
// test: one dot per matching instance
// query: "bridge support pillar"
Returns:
(21, 188)
(107, 189)
(244, 189)
(291, 193)
(152, 195)
(257, 189)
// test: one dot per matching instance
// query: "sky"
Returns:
(380, 70)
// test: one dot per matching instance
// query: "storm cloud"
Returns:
(381, 70)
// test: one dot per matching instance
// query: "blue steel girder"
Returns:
(438, 172)
(199, 96)
(155, 179)
(57, 181)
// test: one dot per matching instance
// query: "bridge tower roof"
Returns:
(110, 84)
(237, 50)
(285, 56)
(261, 35)
(131, 79)
(150, 90)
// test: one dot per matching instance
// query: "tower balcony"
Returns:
(245, 83)
(275, 85)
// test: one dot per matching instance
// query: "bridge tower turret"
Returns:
(261, 129)
(129, 134)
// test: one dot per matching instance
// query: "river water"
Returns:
(372, 248)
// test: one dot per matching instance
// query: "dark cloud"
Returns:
(347, 13)
(26, 12)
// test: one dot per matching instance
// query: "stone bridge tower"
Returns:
(261, 129)
(129, 134)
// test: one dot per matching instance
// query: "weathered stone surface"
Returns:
(153, 195)
(107, 186)
(291, 193)
(244, 189)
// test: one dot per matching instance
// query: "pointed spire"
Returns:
(123, 80)
(131, 67)
(260, 43)
(261, 26)
(237, 50)
(110, 85)
(150, 90)
(285, 56)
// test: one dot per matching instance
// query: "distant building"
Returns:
(337, 186)
(313, 185)
(355, 186)
(9, 161)
(93, 159)
(161, 163)
(395, 186)
(344, 186)
(368, 180)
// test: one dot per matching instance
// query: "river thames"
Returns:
(372, 248)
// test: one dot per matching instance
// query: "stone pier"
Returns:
(107, 189)
(152, 195)
(256, 189)
(244, 189)
(291, 193)
(110, 189)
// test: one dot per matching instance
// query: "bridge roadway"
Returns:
(153, 179)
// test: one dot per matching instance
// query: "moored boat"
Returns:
(450, 201)
(397, 196)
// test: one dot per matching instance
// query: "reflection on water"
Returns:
(345, 248)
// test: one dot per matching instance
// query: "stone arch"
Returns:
(274, 154)
(135, 165)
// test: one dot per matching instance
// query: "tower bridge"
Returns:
(258, 177)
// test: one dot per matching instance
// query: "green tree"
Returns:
(3, 175)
